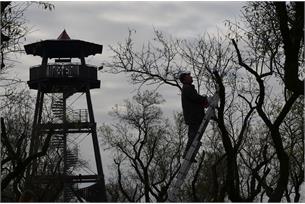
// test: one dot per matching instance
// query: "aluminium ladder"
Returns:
(193, 150)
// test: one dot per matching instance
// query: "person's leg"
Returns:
(191, 135)
(192, 131)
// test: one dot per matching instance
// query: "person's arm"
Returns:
(192, 94)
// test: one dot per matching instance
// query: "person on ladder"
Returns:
(193, 106)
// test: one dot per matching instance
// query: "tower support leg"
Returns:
(32, 170)
(96, 148)
(64, 120)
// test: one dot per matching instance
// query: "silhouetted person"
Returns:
(27, 197)
(193, 106)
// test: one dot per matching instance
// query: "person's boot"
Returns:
(214, 117)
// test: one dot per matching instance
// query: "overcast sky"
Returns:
(107, 23)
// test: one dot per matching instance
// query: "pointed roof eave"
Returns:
(63, 47)
(64, 36)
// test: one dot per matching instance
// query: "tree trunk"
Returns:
(146, 187)
(282, 182)
(233, 178)
(232, 169)
(292, 40)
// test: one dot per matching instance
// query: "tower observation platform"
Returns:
(52, 77)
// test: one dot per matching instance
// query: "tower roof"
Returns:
(63, 47)
(64, 36)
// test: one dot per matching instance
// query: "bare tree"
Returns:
(269, 64)
(14, 30)
(147, 148)
(15, 135)
(14, 27)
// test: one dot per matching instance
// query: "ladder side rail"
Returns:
(186, 164)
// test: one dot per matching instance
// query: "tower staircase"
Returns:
(58, 108)
(59, 142)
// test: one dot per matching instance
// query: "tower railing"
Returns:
(63, 70)
(72, 115)
(78, 115)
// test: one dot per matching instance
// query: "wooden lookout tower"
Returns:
(60, 80)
